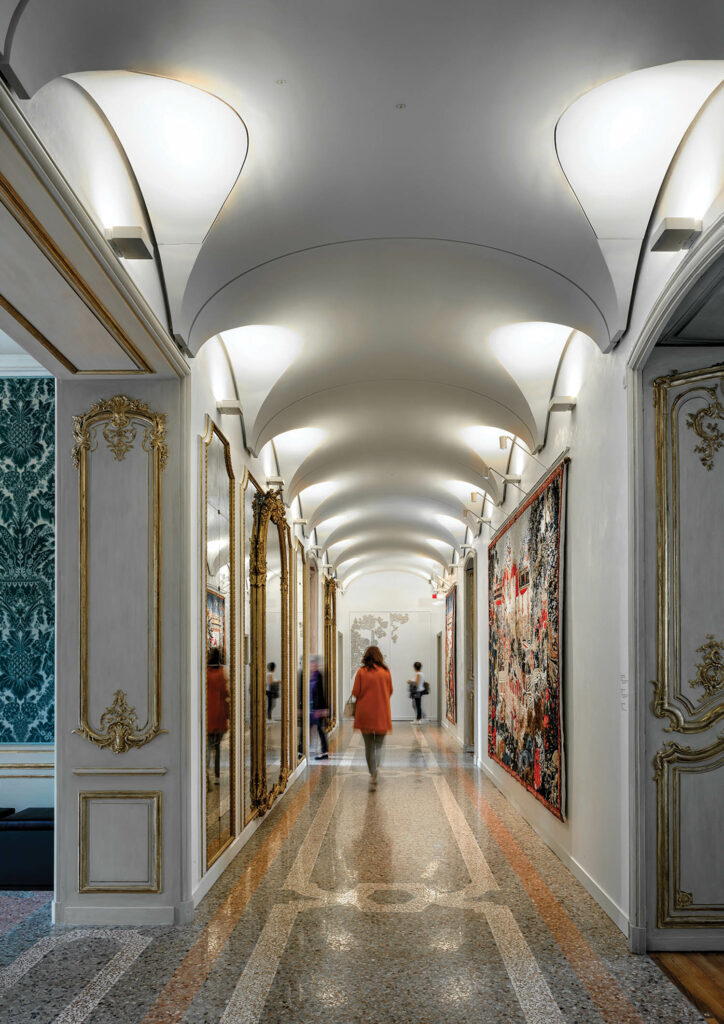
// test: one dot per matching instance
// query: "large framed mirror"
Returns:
(218, 642)
(330, 648)
(270, 661)
(249, 490)
(301, 702)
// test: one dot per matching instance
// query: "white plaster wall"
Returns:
(393, 592)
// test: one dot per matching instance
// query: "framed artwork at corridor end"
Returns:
(525, 581)
(451, 706)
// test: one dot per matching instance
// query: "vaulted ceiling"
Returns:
(392, 214)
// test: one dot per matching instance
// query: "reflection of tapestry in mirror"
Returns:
(367, 631)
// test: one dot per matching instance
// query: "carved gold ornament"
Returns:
(330, 648)
(710, 674)
(119, 420)
(704, 424)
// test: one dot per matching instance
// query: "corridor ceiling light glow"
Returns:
(299, 443)
(130, 243)
(562, 403)
(264, 350)
(315, 494)
(675, 233)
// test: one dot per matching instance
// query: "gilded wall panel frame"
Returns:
(119, 423)
(678, 907)
(674, 398)
(330, 648)
(250, 698)
(269, 511)
(301, 701)
(211, 433)
(153, 800)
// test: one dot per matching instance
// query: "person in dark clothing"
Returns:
(318, 707)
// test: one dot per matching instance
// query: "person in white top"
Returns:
(417, 689)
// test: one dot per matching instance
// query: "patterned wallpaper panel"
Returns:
(27, 559)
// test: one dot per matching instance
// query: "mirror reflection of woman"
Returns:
(217, 714)
(273, 689)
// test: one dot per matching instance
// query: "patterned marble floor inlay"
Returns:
(426, 901)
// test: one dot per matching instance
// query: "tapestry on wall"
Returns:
(525, 580)
(451, 704)
(27, 559)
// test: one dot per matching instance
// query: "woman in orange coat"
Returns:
(372, 715)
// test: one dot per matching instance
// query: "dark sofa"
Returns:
(26, 848)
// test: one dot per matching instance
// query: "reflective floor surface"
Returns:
(426, 901)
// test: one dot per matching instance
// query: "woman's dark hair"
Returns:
(417, 666)
(271, 666)
(372, 657)
(213, 656)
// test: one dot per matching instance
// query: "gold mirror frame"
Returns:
(247, 652)
(330, 648)
(303, 654)
(119, 419)
(268, 509)
(210, 432)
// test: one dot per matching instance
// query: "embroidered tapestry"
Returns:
(525, 579)
(27, 559)
(451, 706)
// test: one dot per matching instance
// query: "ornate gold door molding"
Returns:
(120, 423)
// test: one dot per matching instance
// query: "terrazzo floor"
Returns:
(427, 901)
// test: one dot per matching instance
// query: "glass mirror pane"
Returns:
(301, 656)
(273, 679)
(219, 745)
(246, 648)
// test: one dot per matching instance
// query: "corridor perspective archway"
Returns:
(333, 326)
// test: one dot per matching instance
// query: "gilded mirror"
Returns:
(330, 648)
(217, 641)
(248, 492)
(302, 656)
(270, 668)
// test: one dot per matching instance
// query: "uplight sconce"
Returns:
(299, 522)
(129, 242)
(229, 407)
(275, 481)
(507, 478)
(562, 403)
(675, 233)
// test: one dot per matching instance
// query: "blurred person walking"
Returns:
(318, 707)
(418, 688)
(372, 714)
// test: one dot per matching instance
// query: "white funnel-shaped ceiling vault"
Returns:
(186, 148)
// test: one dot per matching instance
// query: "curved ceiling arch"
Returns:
(389, 544)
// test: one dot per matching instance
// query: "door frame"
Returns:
(708, 250)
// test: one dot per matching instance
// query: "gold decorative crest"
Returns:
(120, 417)
(710, 674)
(120, 730)
(704, 424)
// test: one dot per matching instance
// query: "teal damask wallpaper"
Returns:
(27, 559)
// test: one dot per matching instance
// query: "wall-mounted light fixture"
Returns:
(675, 233)
(503, 441)
(299, 522)
(478, 519)
(129, 242)
(275, 481)
(229, 407)
(562, 403)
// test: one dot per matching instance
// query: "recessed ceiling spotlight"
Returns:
(400, 106)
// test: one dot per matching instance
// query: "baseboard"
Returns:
(686, 942)
(616, 913)
(219, 866)
(125, 917)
